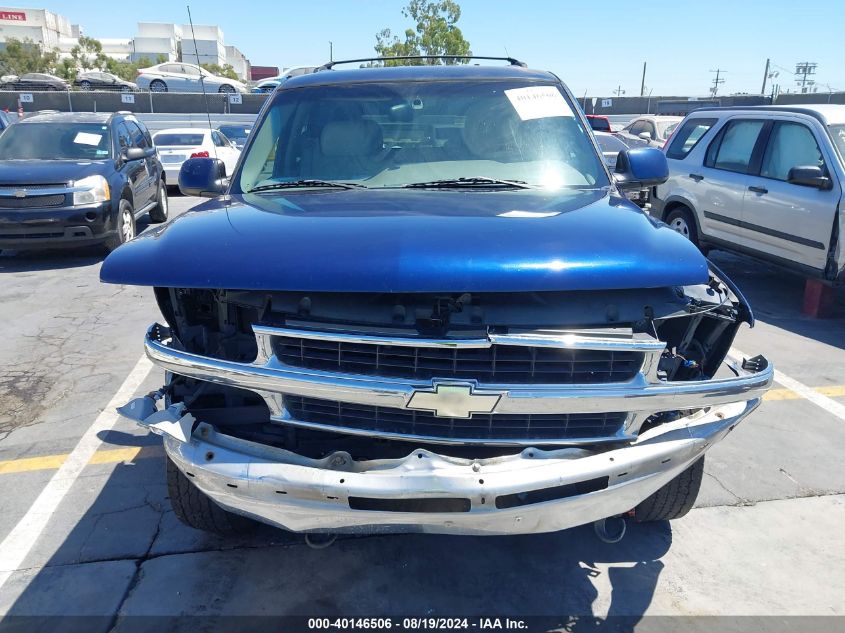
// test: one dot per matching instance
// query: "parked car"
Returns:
(599, 123)
(651, 131)
(34, 82)
(96, 80)
(421, 303)
(182, 77)
(177, 145)
(271, 83)
(76, 179)
(766, 181)
(237, 133)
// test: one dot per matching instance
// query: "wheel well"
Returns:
(671, 206)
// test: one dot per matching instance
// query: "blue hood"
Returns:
(411, 241)
(32, 172)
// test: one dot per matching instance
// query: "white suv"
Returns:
(766, 181)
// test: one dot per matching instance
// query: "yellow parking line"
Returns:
(831, 391)
(52, 462)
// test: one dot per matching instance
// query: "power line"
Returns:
(716, 81)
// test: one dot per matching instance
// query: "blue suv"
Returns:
(421, 302)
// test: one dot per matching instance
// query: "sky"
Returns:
(595, 47)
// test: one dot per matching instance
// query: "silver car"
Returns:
(182, 77)
(651, 131)
(766, 181)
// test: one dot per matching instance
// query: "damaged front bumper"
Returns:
(532, 491)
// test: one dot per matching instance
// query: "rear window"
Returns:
(171, 139)
(688, 137)
(599, 125)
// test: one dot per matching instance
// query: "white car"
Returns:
(182, 77)
(177, 145)
(649, 131)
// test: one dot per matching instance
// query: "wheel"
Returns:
(674, 499)
(195, 509)
(159, 212)
(125, 226)
(681, 220)
(157, 85)
(85, 85)
(226, 88)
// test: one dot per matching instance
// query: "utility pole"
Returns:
(802, 71)
(765, 77)
(331, 51)
(642, 83)
(716, 81)
(619, 92)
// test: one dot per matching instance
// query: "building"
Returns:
(257, 73)
(39, 25)
(238, 61)
(203, 44)
(156, 41)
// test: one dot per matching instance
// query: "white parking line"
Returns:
(19, 542)
(828, 404)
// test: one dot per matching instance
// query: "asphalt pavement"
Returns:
(86, 527)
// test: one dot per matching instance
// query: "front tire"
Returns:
(160, 212)
(195, 509)
(85, 85)
(157, 85)
(674, 499)
(682, 221)
(125, 226)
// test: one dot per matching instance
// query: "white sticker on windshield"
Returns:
(86, 138)
(538, 102)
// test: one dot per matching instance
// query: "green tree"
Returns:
(434, 33)
(226, 70)
(26, 56)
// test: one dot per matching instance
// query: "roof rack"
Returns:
(332, 64)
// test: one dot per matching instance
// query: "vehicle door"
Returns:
(632, 131)
(792, 221)
(651, 129)
(732, 155)
(139, 139)
(174, 77)
(191, 78)
(135, 171)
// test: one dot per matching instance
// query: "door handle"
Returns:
(696, 177)
(758, 189)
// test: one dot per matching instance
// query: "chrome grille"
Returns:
(498, 427)
(494, 364)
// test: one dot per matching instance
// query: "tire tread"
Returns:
(674, 499)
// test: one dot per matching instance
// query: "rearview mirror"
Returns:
(204, 177)
(808, 176)
(646, 136)
(640, 168)
(134, 153)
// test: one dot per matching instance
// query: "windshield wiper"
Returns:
(299, 184)
(476, 181)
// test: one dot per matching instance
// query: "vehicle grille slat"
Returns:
(497, 363)
(487, 426)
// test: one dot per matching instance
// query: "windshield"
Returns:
(402, 133)
(235, 131)
(837, 133)
(56, 141)
(167, 139)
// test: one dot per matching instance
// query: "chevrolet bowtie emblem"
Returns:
(454, 401)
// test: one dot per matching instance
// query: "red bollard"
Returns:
(818, 299)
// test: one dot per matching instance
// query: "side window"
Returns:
(224, 140)
(637, 128)
(688, 137)
(649, 127)
(124, 138)
(733, 149)
(215, 137)
(790, 145)
(138, 138)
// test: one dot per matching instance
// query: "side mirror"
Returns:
(808, 176)
(641, 168)
(646, 136)
(134, 153)
(204, 177)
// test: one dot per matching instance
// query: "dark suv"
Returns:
(77, 179)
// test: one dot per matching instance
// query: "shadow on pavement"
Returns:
(776, 297)
(127, 553)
